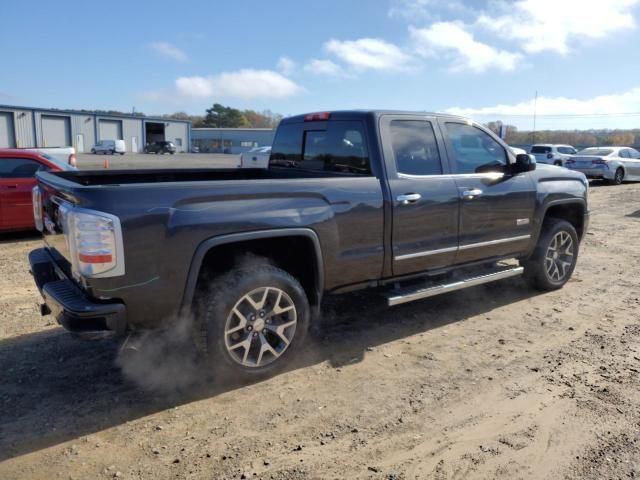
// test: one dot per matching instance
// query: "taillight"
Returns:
(598, 161)
(36, 201)
(317, 116)
(95, 240)
(568, 161)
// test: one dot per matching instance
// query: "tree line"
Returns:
(220, 116)
(577, 138)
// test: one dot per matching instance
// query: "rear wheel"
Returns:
(558, 163)
(554, 258)
(253, 321)
(618, 177)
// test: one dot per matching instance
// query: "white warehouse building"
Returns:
(27, 127)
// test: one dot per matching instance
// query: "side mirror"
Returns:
(524, 163)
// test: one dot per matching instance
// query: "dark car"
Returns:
(413, 204)
(160, 147)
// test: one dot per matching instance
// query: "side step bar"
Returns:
(405, 295)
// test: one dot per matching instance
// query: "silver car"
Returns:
(615, 164)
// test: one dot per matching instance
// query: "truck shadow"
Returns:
(56, 388)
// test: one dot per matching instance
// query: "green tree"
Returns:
(219, 116)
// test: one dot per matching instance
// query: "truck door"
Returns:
(425, 202)
(495, 207)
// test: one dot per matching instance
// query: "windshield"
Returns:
(59, 163)
(596, 151)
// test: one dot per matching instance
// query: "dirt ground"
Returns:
(493, 382)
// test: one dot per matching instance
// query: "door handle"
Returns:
(471, 194)
(408, 198)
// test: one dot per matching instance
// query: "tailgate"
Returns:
(55, 202)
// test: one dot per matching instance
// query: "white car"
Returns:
(615, 164)
(61, 154)
(552, 154)
(110, 147)
(257, 157)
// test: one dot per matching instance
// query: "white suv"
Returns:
(552, 154)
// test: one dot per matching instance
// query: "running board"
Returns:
(397, 297)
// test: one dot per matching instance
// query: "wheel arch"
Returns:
(304, 240)
(572, 210)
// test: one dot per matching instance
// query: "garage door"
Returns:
(110, 129)
(56, 131)
(7, 135)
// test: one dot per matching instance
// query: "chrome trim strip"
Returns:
(494, 242)
(400, 298)
(487, 175)
(426, 253)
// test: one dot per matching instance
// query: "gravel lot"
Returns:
(141, 160)
(492, 382)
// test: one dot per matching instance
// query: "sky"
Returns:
(484, 58)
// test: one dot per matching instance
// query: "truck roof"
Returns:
(358, 114)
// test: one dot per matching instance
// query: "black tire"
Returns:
(558, 163)
(121, 153)
(618, 177)
(111, 152)
(226, 293)
(536, 267)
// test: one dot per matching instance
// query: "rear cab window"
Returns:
(331, 147)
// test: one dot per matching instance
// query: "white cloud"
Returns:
(452, 39)
(420, 10)
(626, 102)
(368, 53)
(286, 66)
(244, 84)
(324, 67)
(541, 25)
(165, 49)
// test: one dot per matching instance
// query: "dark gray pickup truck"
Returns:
(415, 204)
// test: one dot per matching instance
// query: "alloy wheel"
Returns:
(260, 327)
(560, 256)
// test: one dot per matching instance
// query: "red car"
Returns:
(17, 177)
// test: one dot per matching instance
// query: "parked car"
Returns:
(411, 203)
(18, 170)
(552, 154)
(61, 154)
(257, 157)
(614, 164)
(109, 147)
(160, 147)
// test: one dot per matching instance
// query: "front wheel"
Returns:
(618, 177)
(254, 321)
(554, 258)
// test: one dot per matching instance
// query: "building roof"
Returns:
(97, 114)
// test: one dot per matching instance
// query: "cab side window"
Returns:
(415, 148)
(474, 151)
(20, 168)
(624, 154)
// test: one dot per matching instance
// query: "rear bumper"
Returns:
(596, 172)
(71, 306)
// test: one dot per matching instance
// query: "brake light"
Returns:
(95, 241)
(598, 161)
(317, 116)
(36, 201)
(569, 161)
(72, 160)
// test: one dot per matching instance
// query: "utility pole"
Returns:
(535, 114)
